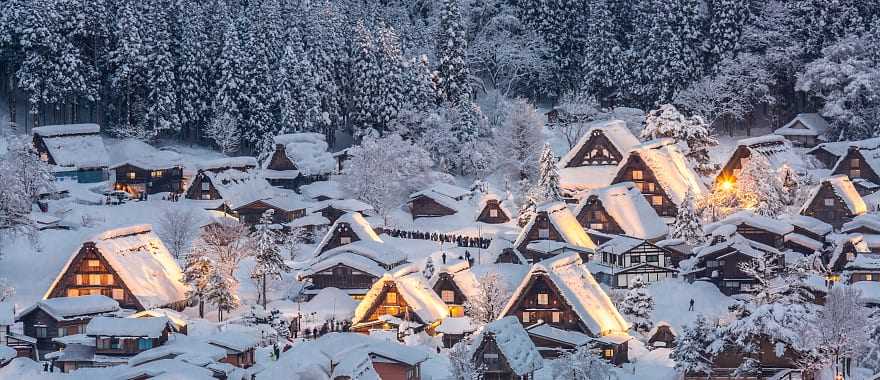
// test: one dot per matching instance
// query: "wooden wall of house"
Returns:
(664, 334)
(835, 214)
(390, 302)
(648, 185)
(166, 180)
(396, 371)
(865, 276)
(486, 214)
(542, 222)
(760, 235)
(854, 166)
(126, 346)
(490, 357)
(81, 278)
(598, 150)
(550, 349)
(38, 319)
(280, 161)
(731, 358)
(241, 359)
(43, 150)
(251, 213)
(728, 268)
(731, 168)
(342, 277)
(825, 157)
(529, 309)
(594, 216)
(423, 206)
(202, 188)
(340, 232)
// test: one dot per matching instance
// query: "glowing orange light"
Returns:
(726, 185)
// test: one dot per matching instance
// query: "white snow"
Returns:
(66, 307)
(616, 132)
(629, 208)
(229, 162)
(308, 151)
(815, 125)
(515, 344)
(563, 221)
(844, 189)
(753, 220)
(670, 167)
(358, 226)
(415, 290)
(80, 148)
(235, 341)
(66, 129)
(127, 327)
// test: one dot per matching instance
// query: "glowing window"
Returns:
(79, 279)
(118, 294)
(526, 317)
(829, 202)
(391, 298)
(448, 296)
(131, 175)
(608, 353)
(94, 279)
(493, 213)
(543, 298)
(93, 263)
(657, 200)
(344, 240)
(596, 226)
(73, 292)
(638, 175)
(557, 317)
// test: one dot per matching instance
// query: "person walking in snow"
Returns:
(691, 308)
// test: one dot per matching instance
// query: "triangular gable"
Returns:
(351, 227)
(446, 281)
(625, 209)
(57, 290)
(484, 215)
(868, 166)
(561, 224)
(605, 144)
(413, 293)
(662, 161)
(280, 161)
(842, 188)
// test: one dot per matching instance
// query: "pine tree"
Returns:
(161, 101)
(298, 96)
(603, 53)
(671, 57)
(428, 271)
(667, 121)
(453, 73)
(872, 356)
(584, 363)
(637, 306)
(267, 254)
(194, 87)
(548, 189)
(230, 97)
(727, 21)
(197, 274)
(691, 352)
(221, 292)
(687, 225)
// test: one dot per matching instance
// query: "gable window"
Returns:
(206, 186)
(657, 200)
(118, 294)
(132, 175)
(543, 299)
(344, 240)
(206, 196)
(652, 258)
(635, 259)
(731, 284)
(712, 264)
(556, 317)
(596, 226)
(156, 174)
(855, 173)
(94, 279)
(869, 277)
(638, 175)
(108, 279)
(391, 298)
(543, 233)
(448, 296)
(649, 187)
(41, 331)
(493, 213)
(525, 317)
(73, 292)
(854, 163)
(93, 264)
(62, 331)
(829, 202)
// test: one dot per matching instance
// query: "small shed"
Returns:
(662, 335)
(806, 130)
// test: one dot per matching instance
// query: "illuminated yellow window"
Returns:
(557, 317)
(108, 279)
(93, 264)
(657, 200)
(456, 311)
(448, 296)
(118, 294)
(493, 213)
(543, 298)
(391, 298)
(73, 292)
(638, 175)
(79, 279)
(608, 353)
(94, 279)
(131, 175)
(526, 317)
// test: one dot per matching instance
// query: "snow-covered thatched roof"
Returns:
(839, 148)
(142, 262)
(810, 223)
(415, 290)
(616, 132)
(516, 346)
(749, 218)
(777, 149)
(740, 244)
(308, 151)
(563, 221)
(127, 327)
(347, 258)
(66, 307)
(228, 163)
(813, 125)
(239, 188)
(75, 145)
(845, 190)
(867, 221)
(578, 287)
(629, 208)
(234, 341)
(358, 225)
(670, 167)
(449, 196)
(349, 205)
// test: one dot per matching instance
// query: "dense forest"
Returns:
(236, 72)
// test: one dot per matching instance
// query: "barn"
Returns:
(440, 199)
(73, 151)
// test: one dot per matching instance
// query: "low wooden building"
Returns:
(809, 234)
(73, 151)
(142, 177)
(130, 265)
(776, 149)
(347, 229)
(662, 174)
(862, 166)
(754, 227)
(720, 263)
(831, 152)
(440, 199)
(505, 352)
(239, 348)
(592, 161)
(805, 130)
(562, 293)
(552, 229)
(553, 342)
(622, 260)
(58, 317)
(286, 209)
(767, 354)
(662, 335)
(492, 209)
(404, 297)
(299, 159)
(621, 210)
(332, 209)
(112, 342)
(226, 179)
(834, 201)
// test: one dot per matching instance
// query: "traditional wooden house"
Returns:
(773, 356)
(662, 335)
(505, 352)
(144, 176)
(806, 130)
(73, 151)
(834, 201)
(58, 317)
(866, 224)
(299, 159)
(809, 234)
(226, 179)
(562, 293)
(455, 329)
(831, 152)
(553, 342)
(720, 263)
(623, 259)
(862, 166)
(177, 320)
(7, 319)
(404, 297)
(592, 162)
(20, 345)
(129, 265)
(332, 209)
(864, 267)
(622, 210)
(551, 230)
(754, 227)
(287, 208)
(112, 341)
(440, 199)
(454, 283)
(661, 173)
(776, 149)
(239, 348)
(493, 209)
(347, 229)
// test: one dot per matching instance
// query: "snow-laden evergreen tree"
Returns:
(160, 111)
(687, 225)
(231, 97)
(221, 293)
(637, 306)
(604, 51)
(547, 188)
(298, 96)
(726, 23)
(489, 299)
(224, 132)
(671, 56)
(691, 352)
(584, 363)
(429, 269)
(197, 274)
(195, 67)
(829, 21)
(128, 60)
(871, 359)
(518, 140)
(23, 177)
(461, 361)
(759, 188)
(453, 74)
(693, 132)
(793, 186)
(841, 327)
(261, 40)
(267, 254)
(364, 81)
